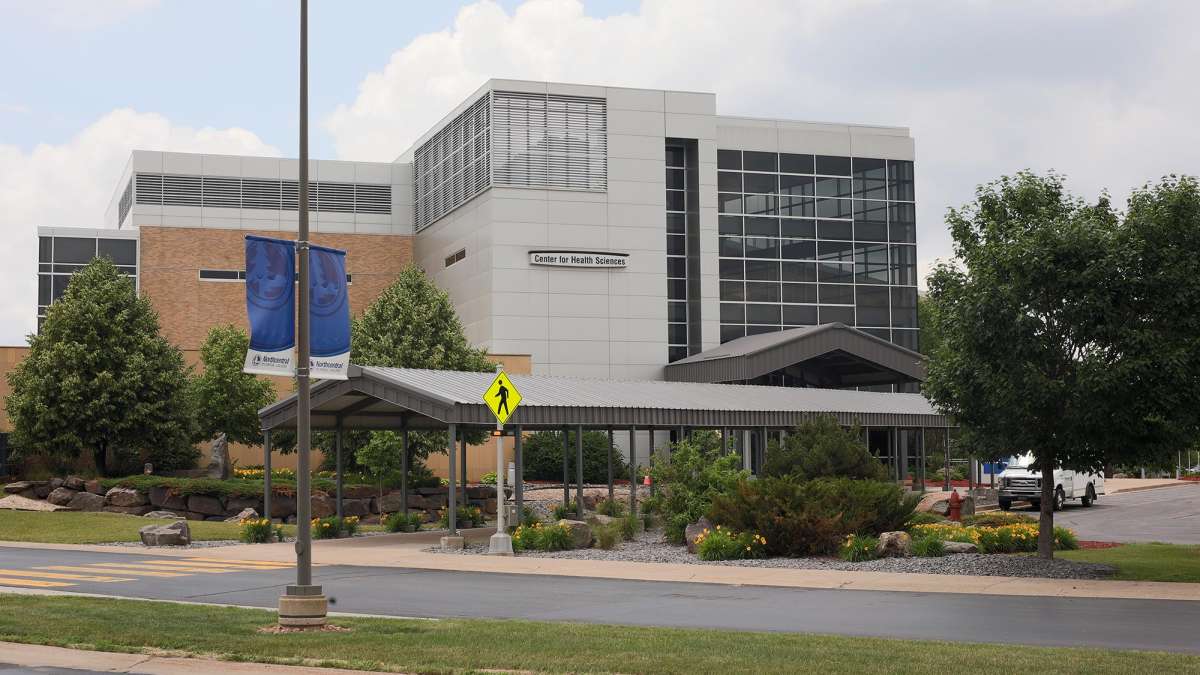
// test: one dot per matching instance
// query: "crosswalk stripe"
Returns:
(115, 568)
(186, 564)
(259, 563)
(165, 568)
(35, 583)
(57, 575)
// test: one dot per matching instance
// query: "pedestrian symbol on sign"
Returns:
(502, 398)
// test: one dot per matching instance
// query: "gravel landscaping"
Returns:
(650, 547)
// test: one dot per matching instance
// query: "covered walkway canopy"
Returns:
(401, 399)
(828, 355)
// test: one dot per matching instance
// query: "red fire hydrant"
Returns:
(954, 511)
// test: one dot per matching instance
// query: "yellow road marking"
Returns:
(165, 568)
(262, 563)
(202, 566)
(35, 583)
(133, 572)
(56, 575)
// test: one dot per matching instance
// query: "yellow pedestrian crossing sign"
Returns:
(502, 398)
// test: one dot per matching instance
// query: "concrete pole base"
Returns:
(302, 611)
(500, 544)
(454, 543)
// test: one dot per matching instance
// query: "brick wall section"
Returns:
(9, 358)
(172, 257)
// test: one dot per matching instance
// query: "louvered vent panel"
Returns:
(224, 193)
(261, 194)
(373, 198)
(257, 193)
(126, 203)
(550, 141)
(182, 190)
(149, 189)
(453, 166)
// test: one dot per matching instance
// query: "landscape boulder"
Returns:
(356, 507)
(359, 491)
(323, 506)
(173, 534)
(282, 506)
(894, 545)
(244, 514)
(86, 501)
(75, 483)
(163, 514)
(208, 505)
(581, 533)
(393, 502)
(235, 505)
(600, 519)
(218, 462)
(939, 503)
(125, 497)
(129, 510)
(93, 486)
(951, 547)
(61, 496)
(56, 483)
(692, 531)
(21, 486)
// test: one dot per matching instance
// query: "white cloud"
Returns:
(74, 15)
(1102, 91)
(14, 108)
(70, 185)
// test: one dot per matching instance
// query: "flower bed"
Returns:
(1014, 538)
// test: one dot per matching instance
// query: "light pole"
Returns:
(303, 604)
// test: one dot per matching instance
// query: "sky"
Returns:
(1102, 91)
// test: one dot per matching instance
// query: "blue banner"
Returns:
(329, 312)
(271, 305)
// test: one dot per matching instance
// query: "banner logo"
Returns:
(329, 313)
(271, 306)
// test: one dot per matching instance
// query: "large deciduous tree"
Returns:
(100, 378)
(226, 399)
(1064, 330)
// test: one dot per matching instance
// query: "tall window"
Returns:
(60, 257)
(683, 250)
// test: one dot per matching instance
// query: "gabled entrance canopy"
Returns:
(831, 355)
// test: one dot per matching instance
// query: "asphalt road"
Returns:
(1169, 514)
(1129, 624)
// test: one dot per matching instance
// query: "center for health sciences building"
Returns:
(588, 231)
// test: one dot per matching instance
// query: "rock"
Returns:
(244, 514)
(481, 492)
(19, 503)
(323, 506)
(75, 483)
(192, 515)
(93, 486)
(162, 514)
(218, 462)
(393, 502)
(356, 507)
(23, 485)
(158, 495)
(42, 491)
(959, 547)
(86, 501)
(894, 545)
(692, 531)
(56, 483)
(173, 534)
(489, 506)
(939, 503)
(235, 505)
(61, 496)
(581, 533)
(428, 491)
(125, 497)
(129, 510)
(600, 519)
(282, 506)
(208, 505)
(359, 491)
(175, 502)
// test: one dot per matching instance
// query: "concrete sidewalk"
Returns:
(36, 656)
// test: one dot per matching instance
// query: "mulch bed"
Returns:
(1098, 544)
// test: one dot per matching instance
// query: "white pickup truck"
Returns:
(1018, 482)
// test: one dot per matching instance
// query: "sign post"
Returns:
(502, 398)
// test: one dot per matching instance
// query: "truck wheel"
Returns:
(1005, 504)
(1060, 499)
(1089, 496)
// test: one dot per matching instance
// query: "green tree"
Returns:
(1064, 328)
(542, 451)
(822, 448)
(381, 456)
(226, 399)
(100, 378)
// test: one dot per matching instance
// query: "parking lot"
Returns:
(1170, 514)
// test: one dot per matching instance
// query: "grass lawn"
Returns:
(73, 527)
(473, 644)
(1145, 562)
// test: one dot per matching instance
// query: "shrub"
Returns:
(1014, 538)
(332, 527)
(401, 522)
(857, 548)
(1065, 540)
(629, 527)
(928, 547)
(689, 479)
(525, 537)
(946, 532)
(925, 518)
(607, 536)
(611, 507)
(812, 517)
(566, 511)
(997, 519)
(465, 516)
(259, 531)
(539, 537)
(529, 516)
(720, 544)
(822, 448)
(488, 478)
(542, 457)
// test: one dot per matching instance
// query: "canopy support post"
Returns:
(579, 472)
(267, 474)
(519, 481)
(337, 444)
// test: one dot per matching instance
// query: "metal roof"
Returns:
(388, 398)
(806, 352)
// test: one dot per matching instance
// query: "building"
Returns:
(581, 230)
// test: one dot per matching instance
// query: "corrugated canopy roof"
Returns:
(828, 355)
(390, 398)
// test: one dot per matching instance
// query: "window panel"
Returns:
(798, 207)
(675, 155)
(759, 330)
(677, 289)
(799, 315)
(832, 187)
(760, 182)
(806, 293)
(675, 179)
(677, 312)
(909, 339)
(768, 314)
(45, 246)
(762, 270)
(677, 333)
(44, 289)
(793, 227)
(729, 159)
(733, 312)
(675, 200)
(729, 181)
(729, 333)
(835, 229)
(792, 163)
(762, 291)
(835, 294)
(677, 268)
(732, 269)
(729, 203)
(767, 205)
(904, 265)
(871, 303)
(904, 307)
(730, 247)
(758, 247)
(74, 250)
(676, 244)
(58, 285)
(733, 290)
(798, 249)
(900, 180)
(870, 178)
(676, 223)
(840, 251)
(759, 161)
(833, 166)
(837, 315)
(834, 208)
(120, 251)
(760, 226)
(835, 273)
(675, 353)
(796, 185)
(798, 271)
(729, 224)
